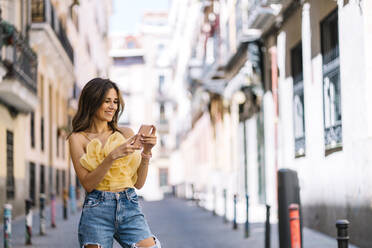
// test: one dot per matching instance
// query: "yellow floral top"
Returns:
(123, 172)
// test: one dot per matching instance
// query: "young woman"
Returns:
(109, 166)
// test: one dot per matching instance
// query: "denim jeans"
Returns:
(109, 215)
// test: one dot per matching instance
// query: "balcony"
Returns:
(18, 87)
(48, 38)
(262, 13)
(43, 12)
(258, 16)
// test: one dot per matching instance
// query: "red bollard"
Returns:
(53, 210)
(294, 224)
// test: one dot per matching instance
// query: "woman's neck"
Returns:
(98, 127)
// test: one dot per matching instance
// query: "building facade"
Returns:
(47, 160)
(325, 137)
(270, 85)
(18, 97)
(41, 80)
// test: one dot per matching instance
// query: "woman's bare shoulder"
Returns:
(76, 138)
(126, 131)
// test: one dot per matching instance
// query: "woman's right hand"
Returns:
(124, 149)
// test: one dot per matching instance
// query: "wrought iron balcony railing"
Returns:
(42, 11)
(19, 58)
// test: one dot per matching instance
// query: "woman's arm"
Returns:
(89, 180)
(142, 172)
(148, 143)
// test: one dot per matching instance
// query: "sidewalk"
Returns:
(64, 235)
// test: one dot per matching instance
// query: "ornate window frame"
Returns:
(332, 114)
(298, 101)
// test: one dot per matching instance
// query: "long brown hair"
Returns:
(91, 98)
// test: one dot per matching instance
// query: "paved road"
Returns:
(179, 223)
(176, 222)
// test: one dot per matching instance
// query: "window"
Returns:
(163, 177)
(38, 11)
(162, 141)
(131, 44)
(57, 182)
(160, 47)
(10, 186)
(331, 82)
(42, 179)
(57, 142)
(126, 61)
(298, 100)
(42, 133)
(32, 129)
(63, 179)
(162, 108)
(31, 185)
(161, 84)
(50, 179)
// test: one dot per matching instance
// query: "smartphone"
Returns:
(145, 130)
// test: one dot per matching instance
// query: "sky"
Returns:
(127, 14)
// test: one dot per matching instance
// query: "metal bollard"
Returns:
(192, 192)
(225, 205)
(65, 202)
(267, 228)
(246, 229)
(342, 233)
(7, 225)
(174, 190)
(28, 204)
(42, 214)
(53, 210)
(72, 199)
(294, 224)
(235, 225)
(214, 201)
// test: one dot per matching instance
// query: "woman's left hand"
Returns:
(148, 141)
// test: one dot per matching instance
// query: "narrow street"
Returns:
(176, 222)
(180, 223)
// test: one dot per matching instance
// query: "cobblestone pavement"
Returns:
(176, 222)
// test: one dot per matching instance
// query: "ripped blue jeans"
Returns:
(113, 215)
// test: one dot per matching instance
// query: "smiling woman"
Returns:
(109, 166)
(97, 96)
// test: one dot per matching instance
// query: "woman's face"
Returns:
(109, 106)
